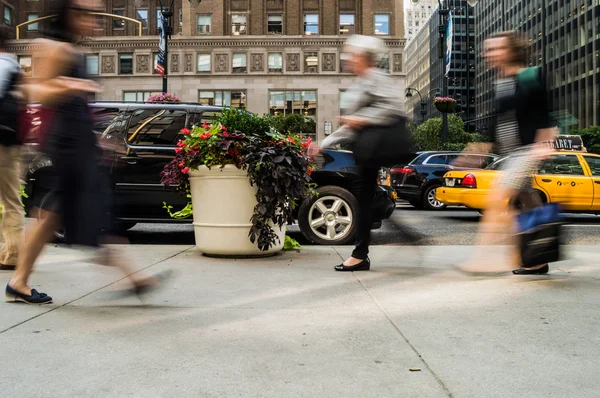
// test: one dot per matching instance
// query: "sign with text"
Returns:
(567, 143)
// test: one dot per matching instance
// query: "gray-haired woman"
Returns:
(372, 101)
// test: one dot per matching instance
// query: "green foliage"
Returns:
(244, 121)
(23, 195)
(294, 124)
(291, 244)
(590, 137)
(186, 212)
(428, 135)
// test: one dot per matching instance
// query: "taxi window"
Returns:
(594, 163)
(561, 164)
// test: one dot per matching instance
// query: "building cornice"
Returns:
(151, 42)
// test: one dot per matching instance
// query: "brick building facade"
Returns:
(268, 56)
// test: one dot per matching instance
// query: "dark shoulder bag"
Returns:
(383, 146)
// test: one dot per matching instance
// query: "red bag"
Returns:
(35, 123)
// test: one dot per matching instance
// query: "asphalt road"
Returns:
(454, 226)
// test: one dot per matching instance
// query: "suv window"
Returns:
(208, 117)
(561, 164)
(160, 127)
(594, 163)
(437, 160)
(103, 117)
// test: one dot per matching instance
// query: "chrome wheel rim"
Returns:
(433, 200)
(330, 218)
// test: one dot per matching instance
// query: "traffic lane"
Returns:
(453, 226)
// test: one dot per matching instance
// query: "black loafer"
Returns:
(13, 296)
(528, 271)
(4, 267)
(364, 265)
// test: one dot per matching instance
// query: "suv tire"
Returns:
(330, 218)
(429, 201)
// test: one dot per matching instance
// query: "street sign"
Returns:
(449, 31)
(162, 45)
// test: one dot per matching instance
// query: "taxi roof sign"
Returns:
(568, 143)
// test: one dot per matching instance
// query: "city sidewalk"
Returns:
(289, 326)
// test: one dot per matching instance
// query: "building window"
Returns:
(311, 24)
(126, 64)
(346, 24)
(25, 64)
(239, 63)
(275, 62)
(233, 99)
(119, 23)
(275, 24)
(8, 15)
(142, 16)
(154, 63)
(204, 63)
(137, 96)
(92, 64)
(344, 58)
(204, 23)
(382, 24)
(238, 25)
(282, 103)
(311, 62)
(34, 26)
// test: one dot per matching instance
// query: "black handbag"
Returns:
(540, 235)
(383, 146)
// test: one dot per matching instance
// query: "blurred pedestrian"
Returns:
(11, 98)
(523, 129)
(77, 200)
(372, 102)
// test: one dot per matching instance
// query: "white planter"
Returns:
(224, 202)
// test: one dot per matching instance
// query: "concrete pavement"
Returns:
(289, 326)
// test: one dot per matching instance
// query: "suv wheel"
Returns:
(430, 201)
(330, 218)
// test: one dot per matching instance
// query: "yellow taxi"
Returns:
(571, 178)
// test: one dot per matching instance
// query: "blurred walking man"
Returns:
(10, 151)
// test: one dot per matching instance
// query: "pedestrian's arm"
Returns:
(385, 104)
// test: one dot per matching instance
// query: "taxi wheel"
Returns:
(430, 202)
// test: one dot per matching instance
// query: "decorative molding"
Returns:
(221, 62)
(189, 62)
(293, 62)
(108, 64)
(131, 43)
(397, 63)
(329, 62)
(257, 62)
(175, 63)
(142, 64)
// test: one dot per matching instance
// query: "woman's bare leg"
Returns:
(31, 248)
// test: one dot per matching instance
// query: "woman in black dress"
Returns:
(78, 200)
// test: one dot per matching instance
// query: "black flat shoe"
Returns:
(4, 267)
(364, 265)
(528, 271)
(13, 296)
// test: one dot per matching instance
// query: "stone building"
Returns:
(268, 56)
(417, 14)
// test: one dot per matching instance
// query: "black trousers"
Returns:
(365, 192)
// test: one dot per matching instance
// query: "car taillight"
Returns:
(469, 181)
(401, 170)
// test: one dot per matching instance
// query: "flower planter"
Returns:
(445, 107)
(223, 202)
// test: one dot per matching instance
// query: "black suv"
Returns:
(417, 181)
(138, 140)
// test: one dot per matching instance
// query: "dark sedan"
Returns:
(417, 181)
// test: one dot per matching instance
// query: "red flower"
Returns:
(205, 125)
(195, 147)
(225, 133)
(310, 170)
(180, 144)
(307, 143)
(182, 164)
(185, 131)
(290, 139)
(178, 150)
(223, 128)
(205, 136)
(185, 170)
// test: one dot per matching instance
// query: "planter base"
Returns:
(224, 202)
